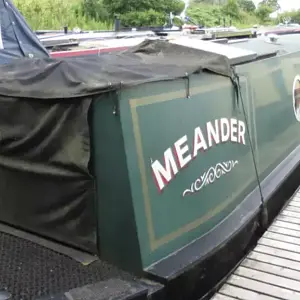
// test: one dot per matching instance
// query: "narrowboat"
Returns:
(142, 174)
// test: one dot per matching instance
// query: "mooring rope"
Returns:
(264, 218)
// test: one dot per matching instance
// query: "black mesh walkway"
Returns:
(29, 270)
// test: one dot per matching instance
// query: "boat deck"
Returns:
(32, 269)
(272, 270)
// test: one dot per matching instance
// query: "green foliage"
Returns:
(247, 6)
(96, 14)
(231, 9)
(205, 12)
(125, 6)
(243, 13)
(178, 22)
(293, 16)
(140, 18)
(99, 14)
(143, 12)
(94, 9)
(54, 14)
(263, 12)
(210, 2)
(272, 4)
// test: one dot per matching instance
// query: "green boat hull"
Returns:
(167, 170)
(163, 161)
(181, 171)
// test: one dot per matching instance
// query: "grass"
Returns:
(55, 14)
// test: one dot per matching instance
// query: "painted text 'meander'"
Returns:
(182, 153)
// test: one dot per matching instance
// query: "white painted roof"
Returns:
(234, 54)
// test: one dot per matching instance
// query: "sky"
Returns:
(286, 4)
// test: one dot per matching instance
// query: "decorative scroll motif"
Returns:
(210, 176)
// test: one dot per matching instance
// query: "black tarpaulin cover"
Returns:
(150, 61)
(16, 38)
(45, 185)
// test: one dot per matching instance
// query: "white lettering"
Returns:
(233, 130)
(225, 130)
(181, 150)
(241, 132)
(220, 130)
(163, 175)
(213, 133)
(199, 141)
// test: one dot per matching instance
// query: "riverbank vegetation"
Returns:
(55, 14)
(100, 14)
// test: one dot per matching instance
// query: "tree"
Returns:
(94, 9)
(247, 5)
(142, 18)
(213, 2)
(272, 4)
(293, 16)
(205, 15)
(231, 9)
(143, 12)
(263, 13)
(162, 6)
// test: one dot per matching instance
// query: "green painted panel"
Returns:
(273, 119)
(149, 204)
(118, 242)
(169, 219)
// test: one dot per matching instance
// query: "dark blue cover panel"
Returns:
(17, 40)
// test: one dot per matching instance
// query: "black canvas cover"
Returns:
(153, 60)
(16, 38)
(45, 185)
